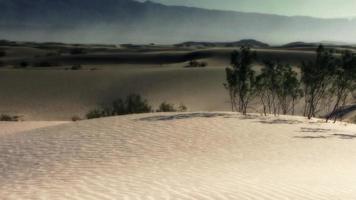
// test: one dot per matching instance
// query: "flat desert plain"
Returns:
(199, 155)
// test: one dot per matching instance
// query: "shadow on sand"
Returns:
(186, 116)
(321, 130)
(257, 118)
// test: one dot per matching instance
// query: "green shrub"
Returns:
(75, 118)
(8, 118)
(194, 64)
(133, 104)
(166, 107)
(93, 114)
(182, 108)
(76, 67)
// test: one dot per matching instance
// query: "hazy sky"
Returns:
(315, 8)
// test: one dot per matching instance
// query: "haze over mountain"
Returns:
(127, 21)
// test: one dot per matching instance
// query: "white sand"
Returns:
(14, 127)
(181, 156)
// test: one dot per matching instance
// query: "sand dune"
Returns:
(181, 156)
(15, 127)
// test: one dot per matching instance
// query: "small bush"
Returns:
(133, 104)
(166, 107)
(76, 67)
(8, 118)
(182, 108)
(93, 114)
(194, 63)
(76, 118)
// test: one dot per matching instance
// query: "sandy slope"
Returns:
(15, 127)
(181, 156)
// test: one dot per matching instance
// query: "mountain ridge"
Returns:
(123, 21)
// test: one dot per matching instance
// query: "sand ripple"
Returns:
(204, 156)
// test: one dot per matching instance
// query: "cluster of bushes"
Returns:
(194, 63)
(167, 107)
(325, 83)
(132, 104)
(9, 118)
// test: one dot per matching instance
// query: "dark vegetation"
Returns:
(325, 83)
(76, 67)
(195, 64)
(9, 118)
(167, 107)
(132, 104)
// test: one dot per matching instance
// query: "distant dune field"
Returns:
(200, 155)
(52, 93)
(158, 73)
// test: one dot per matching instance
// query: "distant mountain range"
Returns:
(128, 21)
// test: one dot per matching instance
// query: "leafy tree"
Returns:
(240, 79)
(166, 107)
(278, 88)
(316, 78)
(344, 81)
(288, 90)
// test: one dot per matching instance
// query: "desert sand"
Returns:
(158, 73)
(201, 155)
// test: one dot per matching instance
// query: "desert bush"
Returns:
(135, 104)
(166, 107)
(132, 104)
(240, 79)
(76, 67)
(75, 118)
(97, 113)
(317, 77)
(182, 108)
(8, 118)
(194, 63)
(278, 88)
